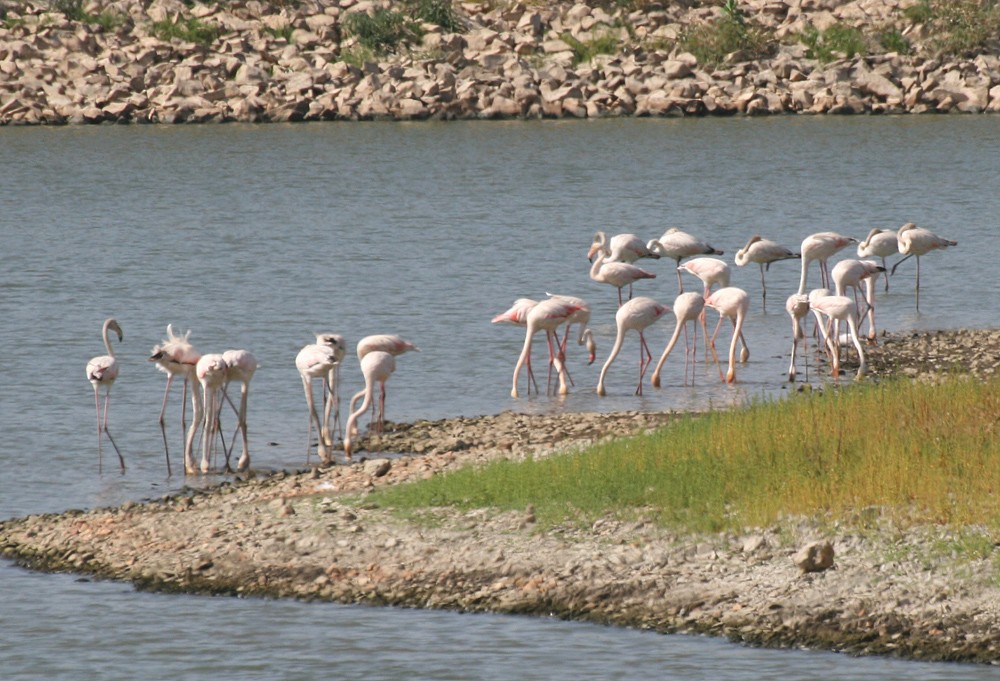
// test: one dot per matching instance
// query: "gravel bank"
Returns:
(292, 535)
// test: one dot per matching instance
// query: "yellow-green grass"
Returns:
(916, 452)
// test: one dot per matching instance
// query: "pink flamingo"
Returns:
(517, 314)
(679, 245)
(240, 366)
(763, 252)
(854, 274)
(638, 314)
(880, 243)
(376, 366)
(688, 307)
(393, 344)
(546, 316)
(102, 372)
(321, 360)
(211, 374)
(622, 248)
(617, 274)
(711, 271)
(918, 241)
(820, 247)
(733, 303)
(175, 356)
(836, 308)
(582, 318)
(797, 307)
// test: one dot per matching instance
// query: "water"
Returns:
(258, 237)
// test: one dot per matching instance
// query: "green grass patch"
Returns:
(190, 30)
(731, 35)
(915, 452)
(836, 42)
(584, 51)
(74, 11)
(382, 31)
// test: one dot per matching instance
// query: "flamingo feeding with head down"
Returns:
(391, 343)
(763, 252)
(617, 274)
(797, 307)
(836, 308)
(547, 316)
(517, 314)
(240, 367)
(854, 274)
(711, 271)
(917, 241)
(688, 307)
(102, 372)
(376, 366)
(321, 360)
(636, 314)
(679, 245)
(732, 303)
(820, 247)
(175, 356)
(211, 374)
(880, 243)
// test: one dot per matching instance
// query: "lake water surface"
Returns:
(260, 236)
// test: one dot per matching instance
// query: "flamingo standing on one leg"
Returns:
(688, 307)
(763, 252)
(546, 316)
(837, 308)
(321, 360)
(240, 366)
(733, 303)
(376, 366)
(211, 374)
(918, 241)
(679, 245)
(797, 307)
(617, 274)
(102, 372)
(820, 247)
(175, 356)
(880, 243)
(638, 314)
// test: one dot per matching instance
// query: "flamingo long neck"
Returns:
(805, 270)
(737, 330)
(614, 353)
(595, 268)
(107, 340)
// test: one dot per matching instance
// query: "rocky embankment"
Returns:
(891, 591)
(251, 60)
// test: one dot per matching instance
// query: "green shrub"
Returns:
(921, 13)
(837, 41)
(71, 9)
(965, 26)
(191, 30)
(585, 51)
(382, 31)
(894, 41)
(711, 43)
(440, 12)
(283, 32)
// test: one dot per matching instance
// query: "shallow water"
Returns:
(260, 236)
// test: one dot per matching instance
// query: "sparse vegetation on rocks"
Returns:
(168, 61)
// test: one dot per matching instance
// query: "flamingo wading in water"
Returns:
(637, 314)
(240, 367)
(617, 274)
(880, 243)
(763, 252)
(820, 247)
(733, 303)
(547, 316)
(623, 248)
(376, 366)
(917, 241)
(102, 372)
(175, 356)
(688, 307)
(797, 307)
(321, 360)
(679, 245)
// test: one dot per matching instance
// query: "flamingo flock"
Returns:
(846, 296)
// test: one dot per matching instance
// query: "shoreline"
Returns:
(289, 536)
(167, 61)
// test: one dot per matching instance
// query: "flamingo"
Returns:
(638, 314)
(622, 248)
(797, 307)
(240, 366)
(394, 345)
(688, 307)
(211, 374)
(546, 316)
(376, 366)
(102, 372)
(837, 308)
(763, 252)
(880, 243)
(711, 271)
(679, 245)
(820, 247)
(852, 273)
(582, 318)
(321, 360)
(175, 356)
(918, 241)
(617, 274)
(733, 303)
(517, 314)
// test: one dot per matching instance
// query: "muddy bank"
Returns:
(293, 535)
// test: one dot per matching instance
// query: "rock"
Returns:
(814, 557)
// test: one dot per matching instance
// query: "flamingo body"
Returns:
(622, 248)
(917, 241)
(711, 271)
(678, 245)
(617, 274)
(394, 345)
(321, 360)
(820, 247)
(102, 372)
(636, 314)
(763, 252)
(376, 367)
(547, 316)
(732, 303)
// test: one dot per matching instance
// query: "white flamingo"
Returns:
(678, 245)
(622, 248)
(175, 356)
(240, 366)
(102, 372)
(688, 307)
(376, 366)
(636, 314)
(797, 307)
(547, 316)
(617, 274)
(880, 243)
(711, 271)
(917, 241)
(820, 247)
(732, 303)
(211, 374)
(763, 252)
(836, 308)
(321, 360)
